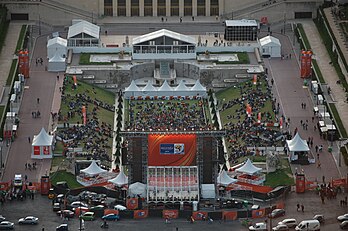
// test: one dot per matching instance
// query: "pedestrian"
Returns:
(38, 100)
(36, 62)
(193, 18)
(290, 56)
(29, 139)
(26, 165)
(180, 19)
(162, 19)
(58, 77)
(41, 61)
(302, 208)
(272, 81)
(302, 105)
(43, 228)
(301, 122)
(312, 119)
(315, 128)
(298, 207)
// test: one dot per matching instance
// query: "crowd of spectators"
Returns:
(244, 131)
(167, 115)
(95, 136)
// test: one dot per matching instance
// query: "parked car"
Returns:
(343, 217)
(308, 225)
(6, 225)
(111, 217)
(319, 218)
(290, 222)
(97, 208)
(281, 227)
(56, 207)
(77, 204)
(2, 218)
(66, 213)
(62, 227)
(344, 225)
(258, 227)
(277, 213)
(30, 220)
(88, 216)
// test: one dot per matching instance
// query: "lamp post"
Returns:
(270, 195)
(332, 130)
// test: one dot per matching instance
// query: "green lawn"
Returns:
(280, 177)
(65, 176)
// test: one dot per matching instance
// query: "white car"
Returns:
(258, 227)
(290, 222)
(281, 227)
(77, 204)
(343, 217)
(2, 218)
(6, 225)
(30, 220)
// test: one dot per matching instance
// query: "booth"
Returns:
(42, 145)
(58, 46)
(56, 63)
(250, 174)
(270, 47)
(120, 180)
(298, 150)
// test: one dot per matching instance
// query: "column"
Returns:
(207, 7)
(181, 7)
(168, 8)
(114, 7)
(194, 7)
(100, 8)
(221, 7)
(154, 8)
(141, 7)
(128, 8)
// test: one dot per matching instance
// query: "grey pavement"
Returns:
(41, 84)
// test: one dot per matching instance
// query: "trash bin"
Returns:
(329, 149)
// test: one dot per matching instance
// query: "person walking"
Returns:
(29, 139)
(302, 208)
(298, 207)
(38, 100)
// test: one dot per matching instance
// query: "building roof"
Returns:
(269, 40)
(161, 33)
(242, 22)
(84, 27)
(57, 41)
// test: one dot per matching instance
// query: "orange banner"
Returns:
(132, 203)
(84, 114)
(199, 215)
(229, 215)
(303, 60)
(259, 213)
(339, 182)
(140, 214)
(170, 214)
(75, 80)
(255, 79)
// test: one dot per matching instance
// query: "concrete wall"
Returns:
(186, 70)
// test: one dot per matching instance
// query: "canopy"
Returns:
(136, 189)
(42, 139)
(84, 27)
(248, 168)
(163, 33)
(224, 179)
(93, 169)
(198, 87)
(181, 86)
(149, 87)
(208, 191)
(270, 46)
(57, 45)
(297, 144)
(165, 87)
(120, 180)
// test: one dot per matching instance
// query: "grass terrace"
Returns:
(95, 138)
(168, 114)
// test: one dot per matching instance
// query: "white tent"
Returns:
(136, 189)
(165, 89)
(198, 89)
(120, 180)
(224, 179)
(297, 144)
(83, 34)
(208, 191)
(131, 90)
(93, 169)
(270, 46)
(149, 90)
(56, 63)
(248, 168)
(42, 145)
(58, 46)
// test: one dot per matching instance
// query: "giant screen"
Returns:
(172, 150)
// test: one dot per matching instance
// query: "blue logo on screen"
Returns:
(172, 149)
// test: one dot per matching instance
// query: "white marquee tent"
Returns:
(56, 63)
(165, 90)
(136, 189)
(224, 179)
(93, 169)
(120, 180)
(58, 46)
(271, 46)
(296, 145)
(42, 146)
(249, 168)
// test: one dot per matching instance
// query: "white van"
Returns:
(310, 225)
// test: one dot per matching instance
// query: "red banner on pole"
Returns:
(84, 114)
(309, 64)
(303, 60)
(132, 203)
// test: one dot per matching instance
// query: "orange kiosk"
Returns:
(45, 185)
(300, 183)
